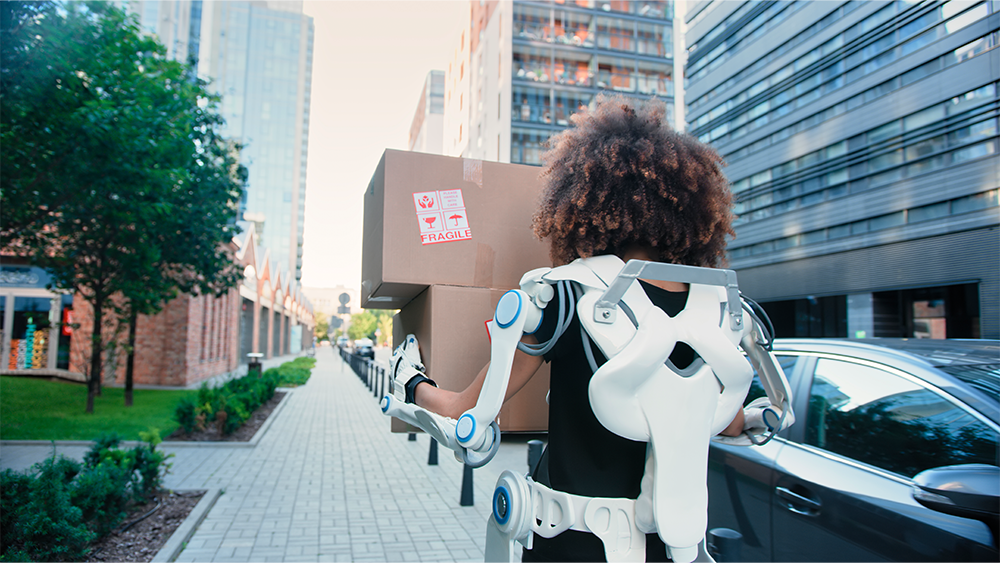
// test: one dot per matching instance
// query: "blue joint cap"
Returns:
(385, 403)
(503, 309)
(458, 426)
(767, 422)
(501, 495)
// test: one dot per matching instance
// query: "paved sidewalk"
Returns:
(329, 482)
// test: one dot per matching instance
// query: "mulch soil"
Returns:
(143, 539)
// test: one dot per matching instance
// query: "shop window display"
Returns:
(29, 345)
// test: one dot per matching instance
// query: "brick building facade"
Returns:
(193, 339)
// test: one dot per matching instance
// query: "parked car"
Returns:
(364, 347)
(343, 341)
(858, 476)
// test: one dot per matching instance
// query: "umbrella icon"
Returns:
(455, 218)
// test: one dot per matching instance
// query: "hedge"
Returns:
(55, 510)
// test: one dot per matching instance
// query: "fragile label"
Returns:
(441, 216)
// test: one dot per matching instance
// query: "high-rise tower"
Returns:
(522, 68)
(258, 56)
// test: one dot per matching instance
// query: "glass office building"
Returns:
(532, 64)
(258, 56)
(861, 141)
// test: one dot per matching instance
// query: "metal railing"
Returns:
(373, 374)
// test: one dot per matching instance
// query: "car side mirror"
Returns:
(967, 491)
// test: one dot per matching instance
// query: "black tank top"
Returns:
(583, 457)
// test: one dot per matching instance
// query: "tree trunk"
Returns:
(96, 341)
(130, 361)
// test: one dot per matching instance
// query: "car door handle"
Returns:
(811, 507)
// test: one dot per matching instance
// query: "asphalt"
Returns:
(326, 481)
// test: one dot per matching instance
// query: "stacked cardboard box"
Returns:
(444, 238)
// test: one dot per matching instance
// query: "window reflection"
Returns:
(884, 420)
(532, 23)
(787, 364)
(526, 146)
(532, 65)
(574, 73)
(573, 28)
(531, 105)
(615, 34)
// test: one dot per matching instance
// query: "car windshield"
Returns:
(984, 377)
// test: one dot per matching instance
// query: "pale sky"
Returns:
(370, 60)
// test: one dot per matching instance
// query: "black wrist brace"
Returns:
(411, 386)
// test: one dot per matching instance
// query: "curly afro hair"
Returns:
(622, 177)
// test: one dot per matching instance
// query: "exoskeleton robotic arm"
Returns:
(475, 436)
(638, 394)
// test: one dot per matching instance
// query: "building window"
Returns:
(812, 317)
(920, 153)
(526, 146)
(834, 77)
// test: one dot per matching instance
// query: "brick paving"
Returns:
(328, 481)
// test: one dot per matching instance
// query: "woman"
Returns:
(620, 182)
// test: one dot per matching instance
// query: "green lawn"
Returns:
(36, 409)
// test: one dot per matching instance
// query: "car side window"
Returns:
(787, 364)
(879, 418)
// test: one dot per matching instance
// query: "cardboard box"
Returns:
(449, 323)
(432, 219)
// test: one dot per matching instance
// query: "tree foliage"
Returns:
(115, 177)
(362, 326)
(365, 323)
(322, 326)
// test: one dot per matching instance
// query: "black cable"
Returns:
(567, 308)
(759, 315)
(141, 518)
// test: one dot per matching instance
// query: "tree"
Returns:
(362, 326)
(322, 326)
(385, 326)
(114, 175)
(40, 90)
(191, 233)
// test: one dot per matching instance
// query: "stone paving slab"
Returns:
(328, 481)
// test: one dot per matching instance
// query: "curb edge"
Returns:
(176, 543)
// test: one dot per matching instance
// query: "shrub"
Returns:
(102, 495)
(296, 372)
(54, 514)
(186, 414)
(150, 464)
(104, 443)
(14, 489)
(45, 526)
(231, 404)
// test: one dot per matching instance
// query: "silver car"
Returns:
(893, 456)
